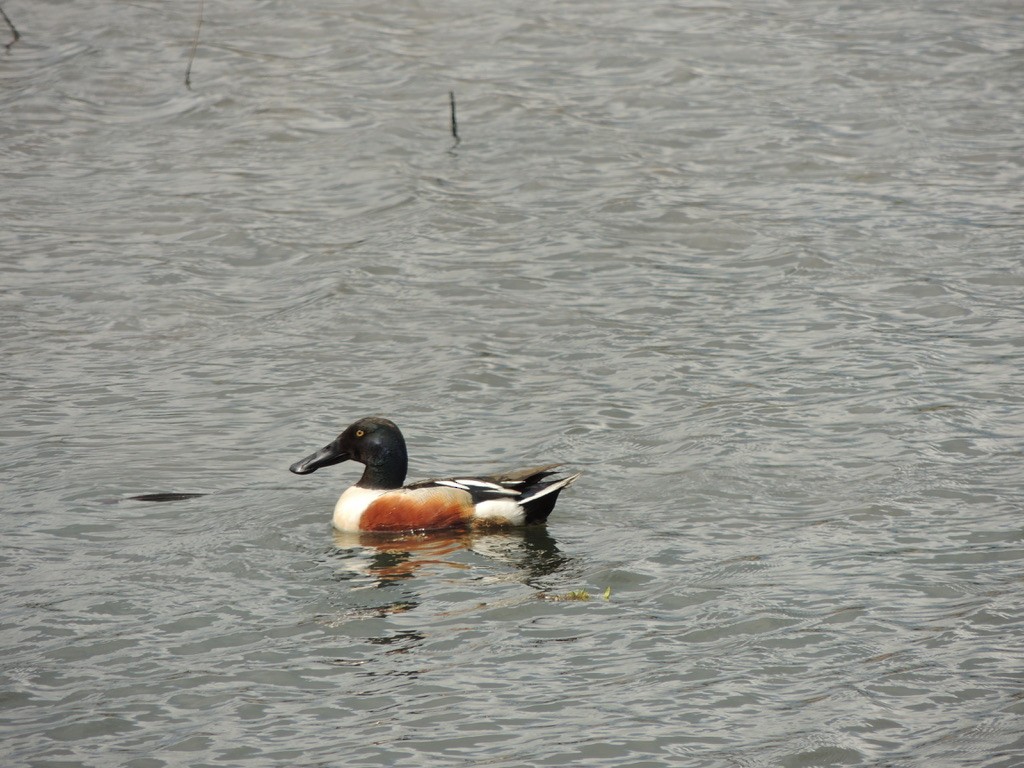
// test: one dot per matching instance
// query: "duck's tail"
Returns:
(539, 495)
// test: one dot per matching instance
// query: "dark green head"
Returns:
(377, 443)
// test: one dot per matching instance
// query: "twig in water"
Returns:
(195, 44)
(455, 125)
(14, 31)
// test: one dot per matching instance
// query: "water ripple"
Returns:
(754, 269)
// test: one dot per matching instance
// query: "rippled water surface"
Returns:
(756, 268)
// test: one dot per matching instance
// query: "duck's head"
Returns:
(377, 443)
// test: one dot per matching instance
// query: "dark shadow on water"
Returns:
(402, 641)
(165, 496)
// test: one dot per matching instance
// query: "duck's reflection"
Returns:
(399, 556)
(406, 566)
(388, 558)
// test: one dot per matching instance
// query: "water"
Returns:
(756, 268)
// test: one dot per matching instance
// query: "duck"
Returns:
(381, 502)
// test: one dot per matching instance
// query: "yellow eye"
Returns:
(359, 433)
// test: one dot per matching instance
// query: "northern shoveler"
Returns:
(379, 501)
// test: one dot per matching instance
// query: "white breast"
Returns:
(352, 504)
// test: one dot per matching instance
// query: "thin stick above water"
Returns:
(14, 31)
(195, 44)
(455, 124)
